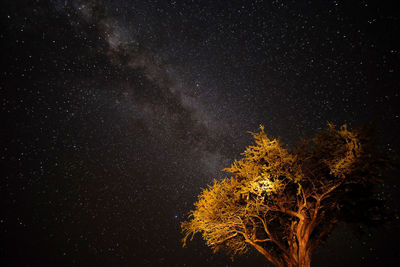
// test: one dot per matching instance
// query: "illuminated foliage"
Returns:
(285, 203)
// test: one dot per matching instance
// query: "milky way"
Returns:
(117, 113)
(166, 105)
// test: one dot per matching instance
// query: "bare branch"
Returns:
(226, 239)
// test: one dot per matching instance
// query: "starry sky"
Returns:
(116, 113)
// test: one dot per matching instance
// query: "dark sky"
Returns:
(116, 113)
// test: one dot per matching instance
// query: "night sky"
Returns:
(114, 115)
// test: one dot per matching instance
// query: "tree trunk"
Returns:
(303, 237)
(300, 252)
(291, 263)
(302, 260)
(304, 257)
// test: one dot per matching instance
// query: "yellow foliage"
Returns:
(339, 148)
(267, 158)
(216, 214)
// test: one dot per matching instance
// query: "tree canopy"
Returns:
(283, 202)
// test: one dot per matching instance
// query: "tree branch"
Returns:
(266, 254)
(322, 197)
(286, 211)
(226, 239)
(271, 237)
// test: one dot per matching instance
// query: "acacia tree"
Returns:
(285, 203)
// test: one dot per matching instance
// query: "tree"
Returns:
(284, 203)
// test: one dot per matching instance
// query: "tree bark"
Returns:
(304, 259)
(301, 257)
(300, 250)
